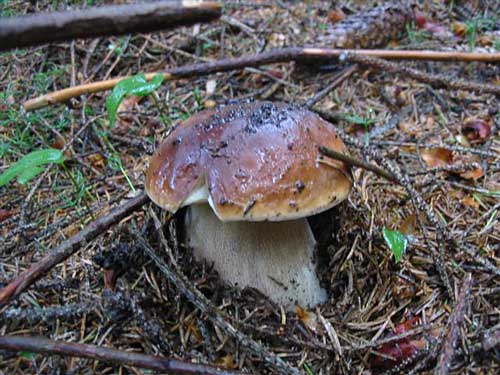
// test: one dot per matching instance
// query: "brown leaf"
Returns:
(437, 157)
(336, 15)
(5, 214)
(471, 202)
(408, 225)
(59, 142)
(308, 318)
(476, 129)
(473, 174)
(96, 160)
(459, 28)
(227, 362)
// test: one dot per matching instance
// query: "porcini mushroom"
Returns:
(258, 167)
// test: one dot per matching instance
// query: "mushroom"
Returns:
(258, 167)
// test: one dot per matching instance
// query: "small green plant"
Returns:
(414, 34)
(29, 166)
(396, 241)
(136, 85)
(358, 120)
(475, 26)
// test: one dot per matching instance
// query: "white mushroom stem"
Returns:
(277, 258)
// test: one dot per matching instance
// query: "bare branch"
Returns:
(100, 21)
(46, 346)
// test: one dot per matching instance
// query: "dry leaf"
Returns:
(59, 142)
(308, 318)
(408, 225)
(476, 129)
(437, 157)
(336, 15)
(471, 202)
(208, 104)
(96, 160)
(227, 362)
(473, 174)
(5, 214)
(459, 28)
(210, 87)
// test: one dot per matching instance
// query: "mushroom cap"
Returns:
(251, 161)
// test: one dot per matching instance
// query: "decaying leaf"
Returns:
(471, 202)
(459, 28)
(210, 86)
(308, 318)
(5, 214)
(408, 225)
(474, 174)
(437, 157)
(432, 27)
(400, 350)
(336, 15)
(227, 362)
(476, 129)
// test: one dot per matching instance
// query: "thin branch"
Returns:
(52, 347)
(434, 80)
(102, 21)
(286, 55)
(69, 247)
(341, 77)
(358, 163)
(456, 319)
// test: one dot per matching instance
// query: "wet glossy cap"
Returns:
(251, 161)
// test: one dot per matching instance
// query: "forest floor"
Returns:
(444, 142)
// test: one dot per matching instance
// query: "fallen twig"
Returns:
(287, 55)
(46, 346)
(358, 163)
(454, 323)
(69, 247)
(101, 21)
(340, 77)
(434, 80)
(201, 302)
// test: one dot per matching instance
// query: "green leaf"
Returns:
(29, 165)
(135, 85)
(396, 241)
(28, 355)
(358, 120)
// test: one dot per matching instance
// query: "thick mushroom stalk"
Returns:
(253, 162)
(276, 258)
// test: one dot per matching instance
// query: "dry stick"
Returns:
(358, 163)
(69, 247)
(434, 80)
(120, 357)
(456, 319)
(341, 77)
(204, 305)
(102, 21)
(287, 55)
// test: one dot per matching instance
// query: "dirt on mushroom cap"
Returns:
(259, 161)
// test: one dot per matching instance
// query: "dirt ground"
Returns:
(444, 143)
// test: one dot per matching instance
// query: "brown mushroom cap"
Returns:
(258, 160)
